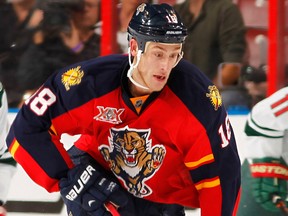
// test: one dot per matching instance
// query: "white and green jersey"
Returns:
(7, 163)
(266, 125)
(4, 123)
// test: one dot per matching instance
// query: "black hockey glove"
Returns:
(87, 187)
(269, 182)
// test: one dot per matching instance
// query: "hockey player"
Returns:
(154, 133)
(7, 163)
(265, 170)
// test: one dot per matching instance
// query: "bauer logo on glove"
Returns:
(87, 189)
(79, 186)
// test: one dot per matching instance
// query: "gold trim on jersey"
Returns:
(208, 183)
(14, 148)
(52, 130)
(205, 159)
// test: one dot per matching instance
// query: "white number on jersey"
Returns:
(44, 98)
(225, 135)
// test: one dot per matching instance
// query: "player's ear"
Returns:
(133, 47)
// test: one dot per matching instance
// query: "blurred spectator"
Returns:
(18, 20)
(127, 8)
(60, 41)
(216, 34)
(255, 81)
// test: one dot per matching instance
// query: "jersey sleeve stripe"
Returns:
(35, 171)
(15, 145)
(204, 160)
(208, 183)
(253, 129)
(53, 130)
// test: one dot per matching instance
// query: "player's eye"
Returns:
(158, 54)
(173, 55)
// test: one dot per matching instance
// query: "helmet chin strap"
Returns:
(132, 67)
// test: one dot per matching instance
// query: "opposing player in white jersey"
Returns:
(265, 170)
(7, 163)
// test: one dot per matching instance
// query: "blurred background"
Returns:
(37, 37)
(40, 36)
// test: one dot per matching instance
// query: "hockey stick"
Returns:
(278, 201)
(111, 208)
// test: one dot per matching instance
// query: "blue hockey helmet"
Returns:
(156, 23)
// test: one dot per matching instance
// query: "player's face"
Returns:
(156, 64)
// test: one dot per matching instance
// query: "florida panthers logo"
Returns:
(215, 97)
(132, 158)
(72, 77)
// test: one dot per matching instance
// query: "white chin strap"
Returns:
(132, 67)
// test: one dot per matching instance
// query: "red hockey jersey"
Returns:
(180, 148)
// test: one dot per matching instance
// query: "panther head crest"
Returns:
(132, 157)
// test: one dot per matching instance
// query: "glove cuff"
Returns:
(269, 167)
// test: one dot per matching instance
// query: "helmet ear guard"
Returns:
(156, 23)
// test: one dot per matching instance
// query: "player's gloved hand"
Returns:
(88, 187)
(270, 177)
